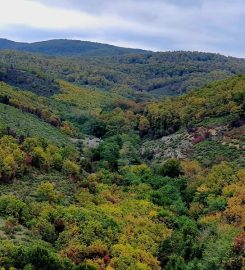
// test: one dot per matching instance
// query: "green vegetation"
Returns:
(26, 124)
(220, 99)
(93, 180)
(214, 151)
(64, 47)
(132, 217)
(169, 73)
(85, 99)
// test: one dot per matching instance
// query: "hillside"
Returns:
(206, 124)
(24, 124)
(166, 73)
(211, 103)
(65, 47)
(122, 158)
(93, 180)
(157, 74)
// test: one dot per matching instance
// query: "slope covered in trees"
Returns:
(65, 47)
(163, 73)
(90, 179)
(217, 100)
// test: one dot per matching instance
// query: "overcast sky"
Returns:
(202, 25)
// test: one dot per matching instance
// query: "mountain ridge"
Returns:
(67, 47)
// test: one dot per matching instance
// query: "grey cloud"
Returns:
(205, 25)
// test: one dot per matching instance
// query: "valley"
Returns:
(113, 158)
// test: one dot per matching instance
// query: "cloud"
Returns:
(203, 25)
(34, 14)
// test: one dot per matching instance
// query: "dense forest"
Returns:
(95, 173)
(131, 75)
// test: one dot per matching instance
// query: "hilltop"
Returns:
(66, 47)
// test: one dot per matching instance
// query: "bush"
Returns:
(171, 168)
(39, 257)
(11, 206)
(70, 168)
(46, 192)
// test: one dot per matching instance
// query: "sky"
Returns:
(158, 25)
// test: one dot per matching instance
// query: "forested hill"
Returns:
(161, 73)
(64, 47)
(90, 180)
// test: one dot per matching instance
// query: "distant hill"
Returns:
(156, 73)
(65, 47)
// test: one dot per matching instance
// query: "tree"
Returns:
(109, 151)
(70, 168)
(46, 192)
(144, 125)
(171, 168)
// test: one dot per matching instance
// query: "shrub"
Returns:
(70, 168)
(171, 168)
